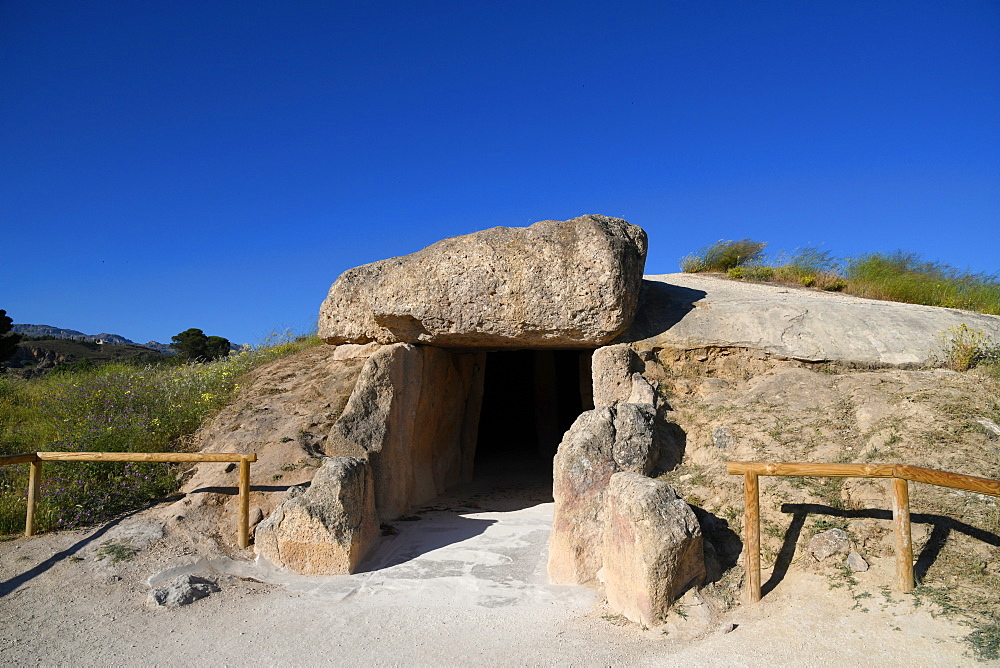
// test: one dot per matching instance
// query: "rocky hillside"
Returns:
(283, 414)
(745, 373)
(735, 405)
(47, 331)
(35, 358)
(767, 373)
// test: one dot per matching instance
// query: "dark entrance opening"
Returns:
(530, 399)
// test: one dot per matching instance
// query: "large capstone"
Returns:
(555, 284)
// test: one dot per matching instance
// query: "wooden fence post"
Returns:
(244, 518)
(34, 481)
(751, 550)
(904, 546)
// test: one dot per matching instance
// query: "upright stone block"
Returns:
(652, 550)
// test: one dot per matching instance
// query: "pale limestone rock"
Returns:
(642, 391)
(600, 443)
(722, 438)
(181, 591)
(856, 563)
(829, 543)
(652, 548)
(698, 311)
(413, 414)
(555, 284)
(611, 369)
(326, 529)
(355, 351)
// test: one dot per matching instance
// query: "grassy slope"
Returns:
(113, 407)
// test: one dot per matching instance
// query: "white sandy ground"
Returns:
(463, 585)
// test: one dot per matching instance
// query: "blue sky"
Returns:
(166, 165)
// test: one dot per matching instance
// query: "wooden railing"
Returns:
(900, 474)
(35, 459)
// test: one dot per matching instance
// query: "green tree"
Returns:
(192, 344)
(216, 347)
(8, 340)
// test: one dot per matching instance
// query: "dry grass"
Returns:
(899, 276)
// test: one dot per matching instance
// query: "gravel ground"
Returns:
(462, 585)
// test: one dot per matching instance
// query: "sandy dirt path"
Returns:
(463, 585)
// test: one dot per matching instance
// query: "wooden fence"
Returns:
(35, 459)
(900, 500)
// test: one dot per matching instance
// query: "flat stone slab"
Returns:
(555, 284)
(698, 310)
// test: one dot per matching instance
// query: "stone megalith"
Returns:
(413, 415)
(328, 528)
(555, 284)
(601, 442)
(653, 549)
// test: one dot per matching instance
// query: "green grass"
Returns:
(724, 255)
(985, 642)
(900, 276)
(115, 407)
(905, 277)
(116, 552)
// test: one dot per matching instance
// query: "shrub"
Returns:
(810, 267)
(965, 348)
(899, 276)
(752, 273)
(724, 255)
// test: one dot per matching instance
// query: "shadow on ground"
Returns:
(13, 583)
(942, 527)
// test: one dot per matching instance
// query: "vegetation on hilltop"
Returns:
(8, 341)
(115, 407)
(63, 355)
(193, 344)
(899, 276)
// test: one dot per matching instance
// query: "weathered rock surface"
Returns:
(652, 547)
(856, 563)
(555, 284)
(828, 543)
(181, 591)
(695, 310)
(283, 414)
(326, 529)
(413, 414)
(611, 370)
(600, 443)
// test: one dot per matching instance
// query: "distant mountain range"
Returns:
(115, 339)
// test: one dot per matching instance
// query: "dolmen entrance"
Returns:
(436, 326)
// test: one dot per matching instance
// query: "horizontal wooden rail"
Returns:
(969, 483)
(914, 473)
(899, 473)
(804, 469)
(35, 459)
(144, 457)
(18, 459)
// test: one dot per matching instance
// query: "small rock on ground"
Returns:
(856, 563)
(829, 543)
(181, 591)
